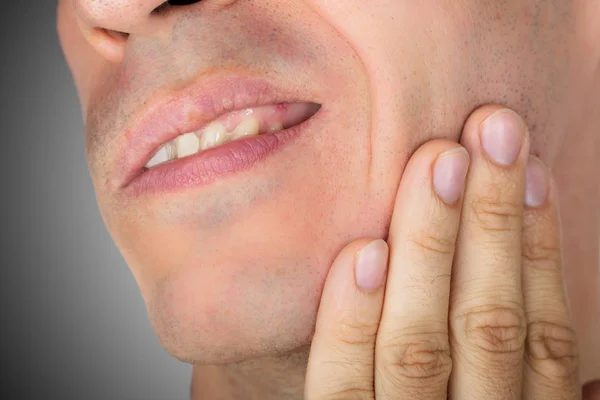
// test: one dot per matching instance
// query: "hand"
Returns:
(471, 304)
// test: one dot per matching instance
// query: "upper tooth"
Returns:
(171, 150)
(213, 135)
(276, 127)
(187, 145)
(160, 157)
(248, 127)
(164, 154)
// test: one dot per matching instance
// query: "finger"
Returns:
(412, 352)
(487, 319)
(551, 358)
(340, 364)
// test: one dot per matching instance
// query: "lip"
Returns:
(189, 110)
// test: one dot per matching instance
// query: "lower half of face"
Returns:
(233, 268)
(236, 270)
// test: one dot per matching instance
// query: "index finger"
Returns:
(340, 364)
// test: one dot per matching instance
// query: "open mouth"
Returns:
(213, 127)
(234, 126)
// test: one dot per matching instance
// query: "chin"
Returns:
(223, 314)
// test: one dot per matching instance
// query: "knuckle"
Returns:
(496, 333)
(494, 215)
(352, 331)
(431, 244)
(540, 254)
(552, 350)
(417, 360)
(541, 251)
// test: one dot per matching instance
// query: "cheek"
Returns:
(255, 291)
(242, 273)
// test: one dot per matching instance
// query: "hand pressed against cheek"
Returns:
(247, 255)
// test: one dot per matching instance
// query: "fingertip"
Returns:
(537, 183)
(443, 161)
(471, 133)
(343, 269)
(371, 265)
(450, 174)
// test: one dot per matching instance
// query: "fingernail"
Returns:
(371, 265)
(450, 173)
(502, 136)
(536, 183)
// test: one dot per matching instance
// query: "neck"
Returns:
(280, 377)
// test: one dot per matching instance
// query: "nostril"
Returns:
(170, 3)
(160, 8)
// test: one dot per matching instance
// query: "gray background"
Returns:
(73, 322)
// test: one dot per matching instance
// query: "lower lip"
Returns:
(206, 167)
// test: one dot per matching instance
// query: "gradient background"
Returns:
(73, 322)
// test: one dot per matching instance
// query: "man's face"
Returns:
(232, 266)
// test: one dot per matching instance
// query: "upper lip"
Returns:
(189, 110)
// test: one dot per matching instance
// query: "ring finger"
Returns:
(551, 355)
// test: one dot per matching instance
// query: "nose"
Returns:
(107, 24)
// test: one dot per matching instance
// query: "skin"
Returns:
(207, 260)
(498, 329)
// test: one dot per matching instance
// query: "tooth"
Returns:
(171, 149)
(187, 145)
(248, 127)
(213, 135)
(164, 154)
(161, 156)
(276, 127)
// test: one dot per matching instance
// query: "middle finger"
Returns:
(487, 320)
(412, 357)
